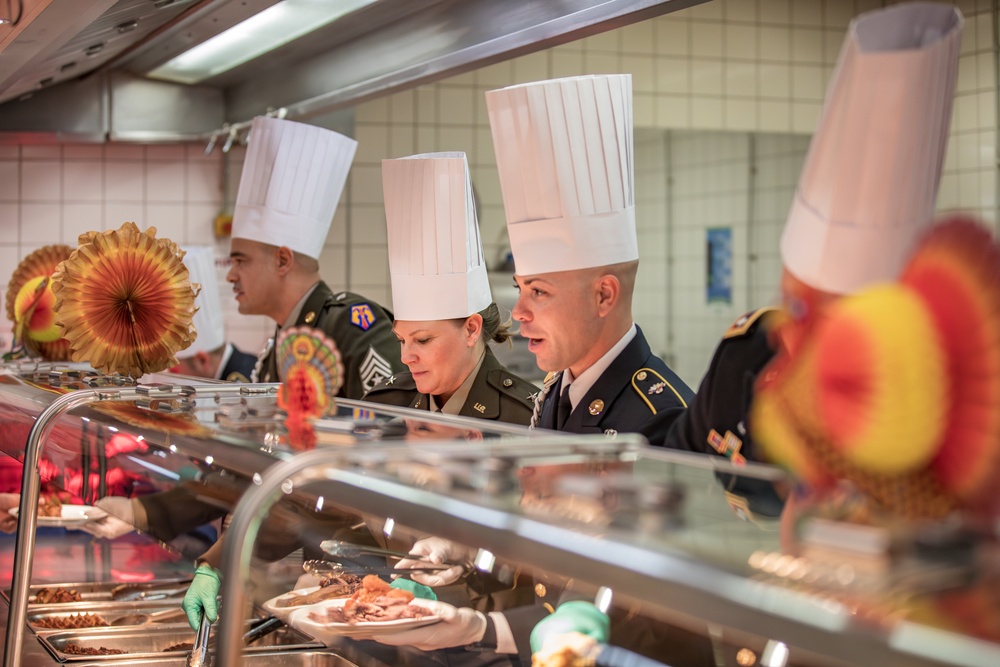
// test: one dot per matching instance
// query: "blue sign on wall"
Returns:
(719, 280)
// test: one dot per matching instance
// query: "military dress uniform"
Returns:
(638, 393)
(361, 330)
(239, 367)
(496, 394)
(716, 420)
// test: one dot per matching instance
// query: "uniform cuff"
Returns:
(504, 637)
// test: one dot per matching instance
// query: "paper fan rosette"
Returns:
(312, 373)
(898, 389)
(125, 301)
(31, 304)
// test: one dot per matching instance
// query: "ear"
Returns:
(473, 329)
(284, 259)
(608, 290)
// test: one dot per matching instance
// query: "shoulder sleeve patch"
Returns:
(744, 323)
(362, 316)
(648, 383)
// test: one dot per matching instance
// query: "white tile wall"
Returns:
(736, 66)
(739, 66)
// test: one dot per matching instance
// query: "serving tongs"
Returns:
(139, 592)
(328, 568)
(204, 642)
(338, 549)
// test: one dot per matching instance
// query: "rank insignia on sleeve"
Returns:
(362, 316)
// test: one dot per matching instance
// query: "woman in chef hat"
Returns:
(445, 315)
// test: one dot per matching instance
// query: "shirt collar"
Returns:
(579, 386)
(454, 405)
(293, 316)
(224, 361)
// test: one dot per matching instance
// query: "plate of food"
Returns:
(375, 609)
(54, 514)
(330, 588)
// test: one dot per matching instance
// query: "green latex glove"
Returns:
(201, 596)
(575, 616)
(418, 590)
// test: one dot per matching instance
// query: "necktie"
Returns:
(563, 409)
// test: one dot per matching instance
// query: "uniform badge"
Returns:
(656, 388)
(374, 367)
(728, 445)
(610, 434)
(310, 317)
(479, 407)
(362, 316)
(596, 407)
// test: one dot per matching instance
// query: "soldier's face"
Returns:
(252, 275)
(440, 353)
(558, 315)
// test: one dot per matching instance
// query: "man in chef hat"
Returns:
(292, 179)
(564, 152)
(210, 356)
(867, 190)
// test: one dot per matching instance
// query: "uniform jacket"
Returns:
(496, 394)
(239, 367)
(361, 329)
(716, 420)
(638, 393)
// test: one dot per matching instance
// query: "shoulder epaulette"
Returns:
(744, 323)
(513, 386)
(647, 383)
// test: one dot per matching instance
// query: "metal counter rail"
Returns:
(31, 486)
(670, 582)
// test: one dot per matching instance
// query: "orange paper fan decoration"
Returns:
(39, 333)
(956, 271)
(125, 301)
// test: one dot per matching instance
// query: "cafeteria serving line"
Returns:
(836, 506)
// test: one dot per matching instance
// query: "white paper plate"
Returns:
(283, 613)
(330, 632)
(73, 516)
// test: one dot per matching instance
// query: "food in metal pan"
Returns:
(57, 594)
(71, 622)
(76, 649)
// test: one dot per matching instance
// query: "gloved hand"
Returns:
(201, 596)
(437, 550)
(458, 626)
(584, 648)
(573, 616)
(113, 517)
(419, 590)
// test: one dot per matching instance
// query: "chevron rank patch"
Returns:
(374, 368)
(362, 316)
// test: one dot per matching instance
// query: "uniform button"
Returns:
(508, 383)
(596, 407)
(540, 590)
(640, 376)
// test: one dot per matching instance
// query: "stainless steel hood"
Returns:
(75, 69)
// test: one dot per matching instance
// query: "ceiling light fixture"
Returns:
(276, 26)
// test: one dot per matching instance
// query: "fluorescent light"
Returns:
(276, 26)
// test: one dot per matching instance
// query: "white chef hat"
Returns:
(870, 180)
(200, 263)
(292, 179)
(564, 153)
(435, 253)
